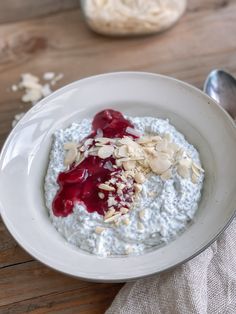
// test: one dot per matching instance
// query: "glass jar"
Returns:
(131, 17)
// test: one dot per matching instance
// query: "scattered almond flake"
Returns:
(17, 118)
(48, 76)
(126, 221)
(106, 187)
(70, 156)
(82, 148)
(129, 165)
(88, 142)
(123, 151)
(159, 166)
(129, 250)
(110, 213)
(187, 162)
(120, 185)
(32, 89)
(173, 146)
(113, 218)
(166, 175)
(105, 151)
(140, 225)
(70, 145)
(139, 178)
(46, 90)
(198, 167)
(28, 77)
(104, 140)
(57, 78)
(179, 154)
(111, 201)
(161, 145)
(152, 194)
(142, 214)
(194, 178)
(195, 171)
(124, 210)
(183, 171)
(14, 88)
(117, 223)
(32, 96)
(101, 195)
(99, 229)
(137, 188)
(133, 131)
(149, 150)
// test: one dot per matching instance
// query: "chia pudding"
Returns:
(120, 185)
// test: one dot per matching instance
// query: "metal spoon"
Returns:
(221, 86)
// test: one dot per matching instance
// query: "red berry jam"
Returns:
(80, 182)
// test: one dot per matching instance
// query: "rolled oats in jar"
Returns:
(132, 17)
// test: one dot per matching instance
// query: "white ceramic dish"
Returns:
(24, 161)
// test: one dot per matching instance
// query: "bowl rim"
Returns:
(61, 91)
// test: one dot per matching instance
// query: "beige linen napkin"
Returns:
(204, 285)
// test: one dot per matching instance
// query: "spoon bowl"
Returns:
(221, 86)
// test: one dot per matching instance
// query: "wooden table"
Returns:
(204, 39)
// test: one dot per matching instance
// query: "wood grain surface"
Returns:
(204, 39)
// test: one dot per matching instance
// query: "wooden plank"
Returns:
(92, 299)
(10, 252)
(30, 280)
(17, 10)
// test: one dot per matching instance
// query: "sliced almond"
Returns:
(101, 195)
(123, 151)
(99, 229)
(70, 156)
(139, 178)
(198, 167)
(106, 187)
(120, 186)
(70, 145)
(137, 188)
(105, 151)
(142, 214)
(129, 165)
(111, 201)
(109, 213)
(103, 140)
(124, 210)
(112, 218)
(183, 171)
(162, 145)
(158, 165)
(194, 178)
(187, 162)
(88, 142)
(126, 221)
(166, 175)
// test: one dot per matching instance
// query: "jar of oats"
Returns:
(132, 17)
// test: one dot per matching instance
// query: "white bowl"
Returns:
(24, 161)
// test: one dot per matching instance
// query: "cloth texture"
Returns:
(204, 285)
